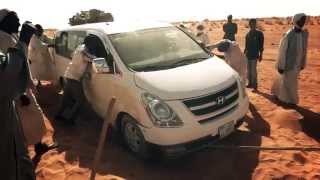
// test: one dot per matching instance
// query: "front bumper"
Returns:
(193, 130)
(177, 150)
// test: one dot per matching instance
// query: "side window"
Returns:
(61, 43)
(67, 42)
(101, 52)
(75, 38)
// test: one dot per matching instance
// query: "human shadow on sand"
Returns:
(310, 121)
(79, 144)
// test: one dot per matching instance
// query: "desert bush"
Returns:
(275, 18)
(268, 22)
(206, 20)
(91, 16)
(261, 27)
(310, 22)
(279, 22)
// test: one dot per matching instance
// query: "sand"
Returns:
(268, 123)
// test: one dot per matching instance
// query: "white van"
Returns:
(170, 93)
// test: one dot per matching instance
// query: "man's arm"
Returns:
(306, 38)
(236, 28)
(261, 46)
(282, 55)
(224, 28)
(246, 44)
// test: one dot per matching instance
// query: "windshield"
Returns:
(156, 49)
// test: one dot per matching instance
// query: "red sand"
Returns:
(267, 124)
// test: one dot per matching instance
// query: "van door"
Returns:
(66, 43)
(99, 88)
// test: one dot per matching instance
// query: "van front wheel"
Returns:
(133, 137)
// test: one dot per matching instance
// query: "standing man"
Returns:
(39, 57)
(202, 36)
(230, 29)
(15, 163)
(253, 51)
(42, 36)
(291, 60)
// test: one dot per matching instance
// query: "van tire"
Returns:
(133, 137)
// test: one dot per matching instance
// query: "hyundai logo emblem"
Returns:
(220, 100)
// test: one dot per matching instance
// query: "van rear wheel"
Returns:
(133, 137)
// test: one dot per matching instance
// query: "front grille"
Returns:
(207, 120)
(213, 102)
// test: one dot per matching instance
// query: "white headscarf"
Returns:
(297, 17)
(3, 13)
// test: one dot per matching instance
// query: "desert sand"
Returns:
(268, 123)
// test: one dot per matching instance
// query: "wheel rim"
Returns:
(133, 137)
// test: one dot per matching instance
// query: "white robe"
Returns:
(41, 61)
(237, 60)
(285, 86)
(32, 120)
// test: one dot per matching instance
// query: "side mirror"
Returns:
(100, 66)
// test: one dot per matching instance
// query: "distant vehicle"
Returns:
(171, 94)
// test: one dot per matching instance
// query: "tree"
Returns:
(91, 16)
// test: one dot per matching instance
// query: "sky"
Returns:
(55, 13)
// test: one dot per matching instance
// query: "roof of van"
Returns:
(119, 27)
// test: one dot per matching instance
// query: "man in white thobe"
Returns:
(291, 60)
(233, 56)
(73, 94)
(39, 57)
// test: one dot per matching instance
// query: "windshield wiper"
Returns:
(187, 61)
(155, 67)
(152, 68)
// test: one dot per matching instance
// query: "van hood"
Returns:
(187, 81)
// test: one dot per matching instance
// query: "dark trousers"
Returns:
(252, 73)
(72, 100)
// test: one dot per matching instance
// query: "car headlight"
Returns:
(161, 114)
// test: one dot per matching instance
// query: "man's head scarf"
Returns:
(224, 45)
(3, 13)
(297, 18)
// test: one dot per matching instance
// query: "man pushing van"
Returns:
(73, 96)
(233, 56)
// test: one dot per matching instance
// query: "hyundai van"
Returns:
(171, 94)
